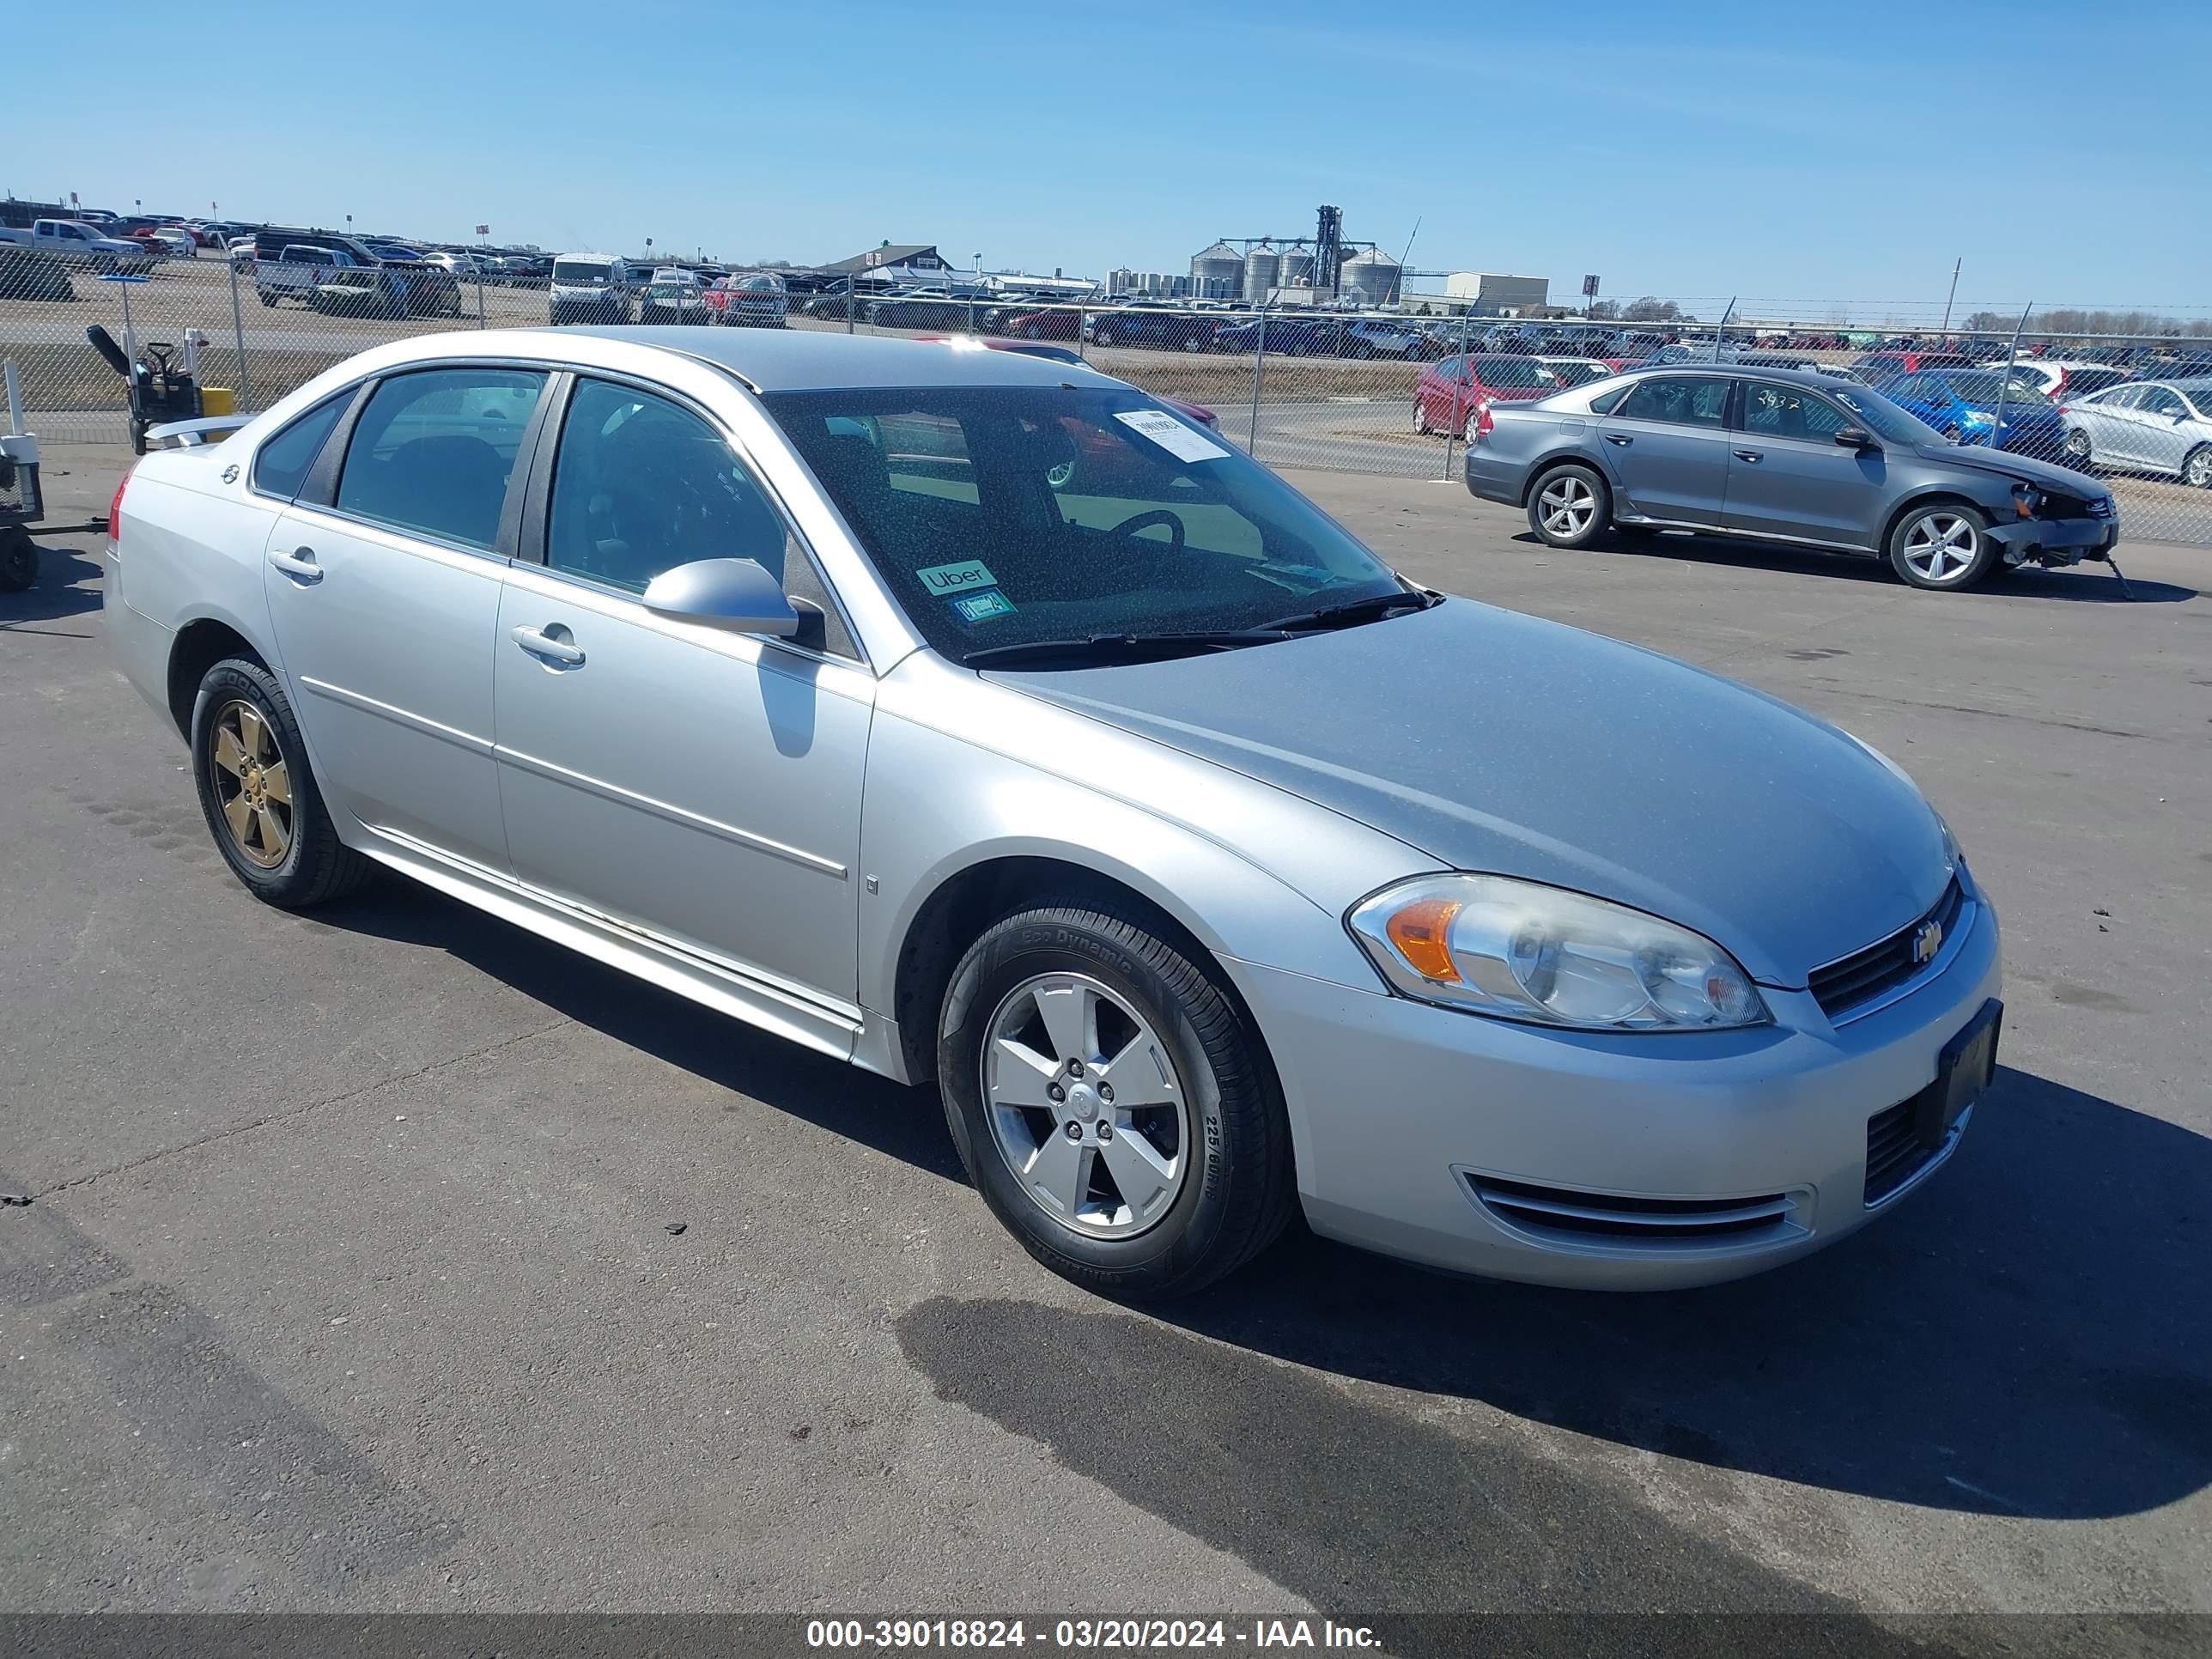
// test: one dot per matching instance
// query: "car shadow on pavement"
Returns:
(2031, 1334)
(905, 1123)
(2084, 583)
(68, 586)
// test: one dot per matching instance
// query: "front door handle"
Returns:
(1750, 455)
(299, 565)
(548, 649)
(1620, 438)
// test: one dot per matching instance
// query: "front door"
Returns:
(1788, 476)
(699, 786)
(1666, 445)
(384, 593)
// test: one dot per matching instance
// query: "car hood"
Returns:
(2007, 464)
(1491, 741)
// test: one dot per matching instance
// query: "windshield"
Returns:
(1580, 374)
(1514, 373)
(1884, 418)
(1002, 515)
(670, 291)
(581, 273)
(1981, 390)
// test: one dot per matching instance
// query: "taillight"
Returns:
(115, 511)
(1484, 426)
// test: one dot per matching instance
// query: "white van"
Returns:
(591, 287)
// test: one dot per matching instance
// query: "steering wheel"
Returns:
(1145, 520)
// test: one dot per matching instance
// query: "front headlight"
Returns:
(1519, 949)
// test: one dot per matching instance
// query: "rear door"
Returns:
(1667, 446)
(1788, 476)
(384, 588)
(2113, 433)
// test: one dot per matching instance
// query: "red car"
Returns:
(1450, 394)
(1197, 413)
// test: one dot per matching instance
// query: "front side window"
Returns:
(1884, 418)
(641, 484)
(1007, 515)
(1678, 400)
(280, 465)
(1784, 411)
(433, 450)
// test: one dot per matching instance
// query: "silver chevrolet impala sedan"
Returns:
(980, 720)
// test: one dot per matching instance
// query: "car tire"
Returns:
(1467, 424)
(268, 300)
(1953, 435)
(1570, 506)
(1421, 427)
(1942, 545)
(2081, 455)
(1102, 338)
(287, 853)
(1210, 1138)
(2196, 467)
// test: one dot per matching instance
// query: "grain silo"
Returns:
(1296, 268)
(1371, 278)
(1261, 266)
(1216, 272)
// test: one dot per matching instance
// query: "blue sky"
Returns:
(1814, 152)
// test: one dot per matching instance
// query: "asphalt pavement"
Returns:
(353, 1278)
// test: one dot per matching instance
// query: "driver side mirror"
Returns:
(1856, 437)
(735, 595)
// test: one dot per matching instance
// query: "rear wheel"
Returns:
(1421, 427)
(1943, 546)
(1110, 1104)
(259, 796)
(1570, 506)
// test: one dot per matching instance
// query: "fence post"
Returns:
(1451, 431)
(480, 303)
(1259, 362)
(238, 326)
(1083, 330)
(851, 283)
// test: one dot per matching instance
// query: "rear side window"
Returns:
(1678, 399)
(432, 451)
(1606, 402)
(282, 466)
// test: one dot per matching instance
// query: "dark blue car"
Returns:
(1961, 403)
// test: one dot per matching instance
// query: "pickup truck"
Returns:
(298, 270)
(75, 243)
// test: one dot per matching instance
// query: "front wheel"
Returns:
(2198, 468)
(1944, 546)
(1570, 506)
(2079, 454)
(259, 795)
(1421, 427)
(1110, 1102)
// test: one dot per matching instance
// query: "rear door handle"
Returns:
(546, 649)
(1620, 438)
(1750, 455)
(299, 565)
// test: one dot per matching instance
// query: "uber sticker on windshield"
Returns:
(943, 580)
(1183, 443)
(981, 607)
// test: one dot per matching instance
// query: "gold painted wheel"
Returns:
(252, 783)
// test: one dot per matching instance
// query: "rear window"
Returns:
(1513, 373)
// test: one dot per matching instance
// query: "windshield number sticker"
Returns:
(1172, 434)
(944, 581)
(981, 607)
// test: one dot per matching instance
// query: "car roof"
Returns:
(805, 360)
(1735, 370)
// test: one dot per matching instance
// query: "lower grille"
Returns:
(1615, 1218)
(1894, 1152)
(1865, 975)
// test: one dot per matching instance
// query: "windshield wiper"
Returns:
(1121, 647)
(1355, 612)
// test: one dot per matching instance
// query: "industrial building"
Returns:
(1322, 268)
(1491, 295)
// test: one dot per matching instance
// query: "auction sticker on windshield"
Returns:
(943, 580)
(1172, 434)
(981, 607)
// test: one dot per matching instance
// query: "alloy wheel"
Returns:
(252, 783)
(1085, 1106)
(1566, 506)
(1942, 547)
(2197, 470)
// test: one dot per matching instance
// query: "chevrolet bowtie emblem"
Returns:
(1927, 942)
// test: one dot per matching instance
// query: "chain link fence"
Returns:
(2125, 392)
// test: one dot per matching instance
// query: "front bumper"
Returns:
(2056, 541)
(1467, 1144)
